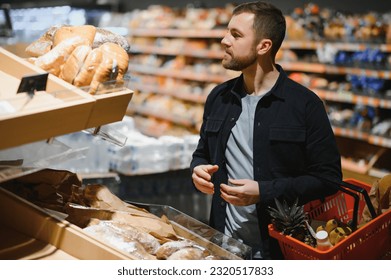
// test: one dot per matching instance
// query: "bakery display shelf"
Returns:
(61, 109)
(203, 234)
(36, 218)
(145, 110)
(111, 100)
(199, 53)
(30, 232)
(353, 98)
(28, 158)
(185, 96)
(176, 73)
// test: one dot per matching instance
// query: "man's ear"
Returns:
(264, 46)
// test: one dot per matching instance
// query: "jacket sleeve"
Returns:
(322, 161)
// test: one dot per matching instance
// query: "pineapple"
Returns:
(291, 221)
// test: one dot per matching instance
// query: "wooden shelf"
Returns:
(185, 96)
(200, 53)
(146, 111)
(176, 73)
(363, 136)
(184, 33)
(353, 98)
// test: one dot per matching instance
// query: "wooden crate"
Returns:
(62, 109)
(109, 107)
(29, 232)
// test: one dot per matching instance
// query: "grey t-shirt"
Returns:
(241, 222)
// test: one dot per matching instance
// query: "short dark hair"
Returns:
(269, 22)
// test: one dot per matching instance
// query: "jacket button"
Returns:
(258, 124)
(222, 204)
(232, 119)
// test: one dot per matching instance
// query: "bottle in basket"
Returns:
(322, 240)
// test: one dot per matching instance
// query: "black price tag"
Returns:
(32, 83)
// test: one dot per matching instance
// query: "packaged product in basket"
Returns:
(380, 195)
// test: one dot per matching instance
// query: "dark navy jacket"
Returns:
(293, 145)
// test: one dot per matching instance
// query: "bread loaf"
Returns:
(184, 249)
(117, 53)
(82, 55)
(107, 70)
(87, 71)
(43, 44)
(74, 63)
(53, 60)
(66, 32)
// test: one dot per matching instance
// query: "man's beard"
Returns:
(240, 63)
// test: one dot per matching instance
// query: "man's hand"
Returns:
(242, 192)
(202, 175)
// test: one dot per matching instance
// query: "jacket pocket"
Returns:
(213, 125)
(287, 149)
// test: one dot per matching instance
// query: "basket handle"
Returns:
(346, 188)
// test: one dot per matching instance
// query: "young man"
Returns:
(263, 135)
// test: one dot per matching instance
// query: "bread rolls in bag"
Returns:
(43, 44)
(65, 32)
(74, 63)
(53, 60)
(87, 71)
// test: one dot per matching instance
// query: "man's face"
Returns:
(238, 43)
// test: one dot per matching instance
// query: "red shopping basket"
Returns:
(371, 241)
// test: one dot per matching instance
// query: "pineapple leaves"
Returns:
(287, 219)
(291, 220)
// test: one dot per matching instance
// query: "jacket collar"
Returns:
(238, 88)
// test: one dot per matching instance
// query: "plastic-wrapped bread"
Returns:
(53, 60)
(130, 233)
(168, 248)
(96, 37)
(87, 71)
(103, 36)
(65, 32)
(74, 63)
(107, 70)
(43, 44)
(181, 250)
(118, 239)
(191, 253)
(119, 54)
(113, 66)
